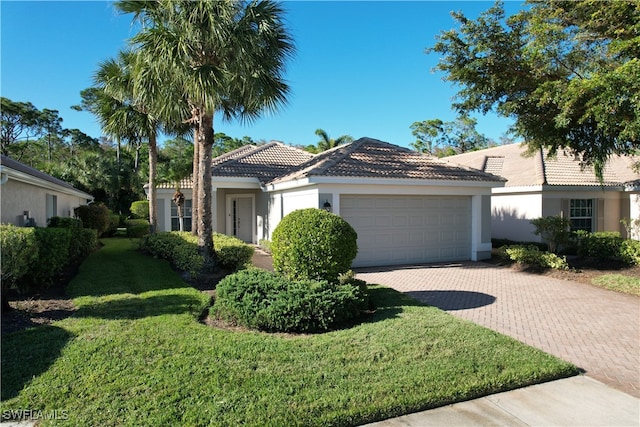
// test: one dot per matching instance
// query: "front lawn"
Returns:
(134, 353)
(619, 282)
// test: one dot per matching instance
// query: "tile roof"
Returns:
(541, 169)
(371, 158)
(264, 162)
(10, 163)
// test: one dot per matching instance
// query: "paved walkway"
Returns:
(596, 329)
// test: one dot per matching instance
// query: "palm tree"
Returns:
(226, 57)
(327, 143)
(142, 120)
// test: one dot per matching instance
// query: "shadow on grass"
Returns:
(453, 300)
(28, 354)
(387, 303)
(134, 307)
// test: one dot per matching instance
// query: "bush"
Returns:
(268, 301)
(608, 245)
(531, 255)
(265, 245)
(604, 245)
(114, 223)
(553, 229)
(313, 244)
(137, 228)
(630, 252)
(95, 215)
(181, 250)
(83, 240)
(231, 253)
(60, 222)
(140, 209)
(19, 251)
(53, 254)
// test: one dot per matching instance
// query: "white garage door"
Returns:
(395, 230)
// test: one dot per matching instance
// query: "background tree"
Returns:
(568, 73)
(226, 57)
(327, 143)
(21, 122)
(448, 138)
(429, 135)
(224, 143)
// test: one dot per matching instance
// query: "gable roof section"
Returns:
(264, 162)
(541, 169)
(371, 158)
(21, 172)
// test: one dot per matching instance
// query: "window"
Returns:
(51, 206)
(581, 214)
(186, 213)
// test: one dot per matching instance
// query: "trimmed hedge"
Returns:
(34, 257)
(313, 244)
(19, 251)
(268, 301)
(181, 250)
(140, 209)
(137, 228)
(96, 216)
(83, 240)
(608, 245)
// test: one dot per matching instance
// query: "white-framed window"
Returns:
(186, 213)
(581, 214)
(52, 206)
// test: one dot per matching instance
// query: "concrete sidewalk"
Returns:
(577, 401)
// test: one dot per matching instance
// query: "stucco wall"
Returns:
(511, 213)
(18, 197)
(608, 211)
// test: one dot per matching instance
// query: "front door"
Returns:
(241, 218)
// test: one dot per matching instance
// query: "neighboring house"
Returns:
(540, 186)
(31, 197)
(406, 207)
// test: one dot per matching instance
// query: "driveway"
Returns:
(596, 329)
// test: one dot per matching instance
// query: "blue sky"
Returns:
(360, 67)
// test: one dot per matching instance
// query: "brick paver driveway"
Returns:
(596, 329)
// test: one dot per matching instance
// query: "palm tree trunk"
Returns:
(194, 190)
(153, 157)
(205, 230)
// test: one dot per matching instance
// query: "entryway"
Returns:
(240, 214)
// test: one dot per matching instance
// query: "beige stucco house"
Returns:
(30, 197)
(406, 207)
(541, 185)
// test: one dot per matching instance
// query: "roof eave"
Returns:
(13, 174)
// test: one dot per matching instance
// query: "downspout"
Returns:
(4, 176)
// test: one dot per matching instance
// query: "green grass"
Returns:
(134, 354)
(619, 282)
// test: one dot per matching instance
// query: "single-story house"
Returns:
(30, 197)
(406, 207)
(541, 185)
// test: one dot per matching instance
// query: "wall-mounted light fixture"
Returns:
(327, 206)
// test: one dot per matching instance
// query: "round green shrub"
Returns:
(313, 244)
(140, 209)
(268, 301)
(95, 215)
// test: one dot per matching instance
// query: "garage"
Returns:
(396, 230)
